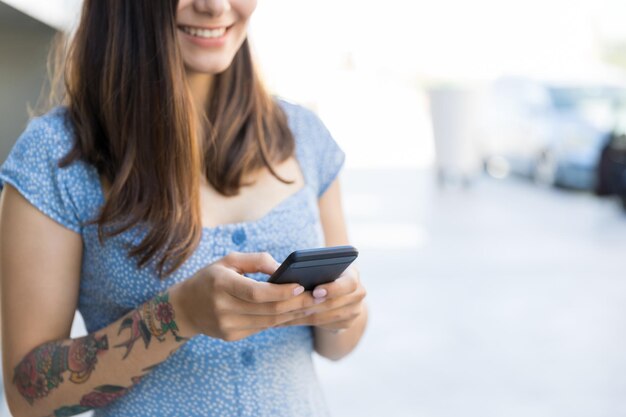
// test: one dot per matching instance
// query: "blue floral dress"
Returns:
(270, 373)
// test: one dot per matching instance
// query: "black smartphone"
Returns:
(312, 267)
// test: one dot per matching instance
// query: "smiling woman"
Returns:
(216, 116)
(166, 174)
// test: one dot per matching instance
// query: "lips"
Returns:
(214, 32)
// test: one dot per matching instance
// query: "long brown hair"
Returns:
(133, 118)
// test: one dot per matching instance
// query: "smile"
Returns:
(204, 33)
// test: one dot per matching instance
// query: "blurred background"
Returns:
(485, 186)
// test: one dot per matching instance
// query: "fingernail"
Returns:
(298, 290)
(319, 292)
(308, 313)
(319, 300)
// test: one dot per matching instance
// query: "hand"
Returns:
(220, 302)
(338, 303)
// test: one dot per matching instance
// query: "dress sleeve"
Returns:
(32, 169)
(329, 156)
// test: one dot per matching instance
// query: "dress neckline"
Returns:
(242, 224)
(248, 223)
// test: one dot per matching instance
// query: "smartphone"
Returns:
(312, 267)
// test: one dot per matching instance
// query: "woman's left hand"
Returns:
(339, 303)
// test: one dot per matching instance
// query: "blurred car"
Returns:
(612, 167)
(548, 131)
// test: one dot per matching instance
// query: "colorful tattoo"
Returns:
(154, 318)
(100, 397)
(81, 357)
(41, 370)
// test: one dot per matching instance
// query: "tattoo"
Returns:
(153, 319)
(41, 370)
(81, 358)
(102, 396)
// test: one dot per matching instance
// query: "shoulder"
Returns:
(319, 153)
(310, 132)
(300, 117)
(46, 140)
(32, 167)
(49, 134)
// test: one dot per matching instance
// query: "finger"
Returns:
(347, 283)
(300, 302)
(251, 262)
(348, 312)
(253, 291)
(344, 301)
(318, 322)
(324, 304)
(264, 322)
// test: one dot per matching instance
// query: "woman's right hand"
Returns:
(220, 302)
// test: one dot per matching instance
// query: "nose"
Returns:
(212, 7)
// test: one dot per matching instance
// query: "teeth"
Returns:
(204, 33)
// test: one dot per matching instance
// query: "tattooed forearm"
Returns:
(100, 397)
(42, 369)
(47, 366)
(153, 319)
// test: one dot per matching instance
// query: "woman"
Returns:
(168, 173)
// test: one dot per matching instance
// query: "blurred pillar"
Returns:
(454, 112)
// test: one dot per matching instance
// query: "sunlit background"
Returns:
(478, 135)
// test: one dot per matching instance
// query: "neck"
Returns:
(200, 87)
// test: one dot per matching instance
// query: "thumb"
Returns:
(251, 262)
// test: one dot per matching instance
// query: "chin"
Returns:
(211, 67)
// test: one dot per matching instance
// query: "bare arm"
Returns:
(48, 373)
(329, 344)
(44, 370)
